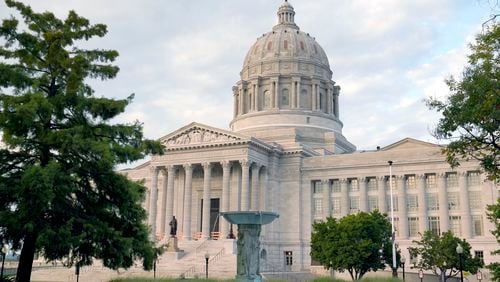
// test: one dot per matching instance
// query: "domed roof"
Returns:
(286, 42)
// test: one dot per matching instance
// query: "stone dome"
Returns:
(286, 93)
(286, 43)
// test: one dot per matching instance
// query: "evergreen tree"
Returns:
(60, 195)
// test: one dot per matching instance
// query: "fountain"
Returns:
(249, 227)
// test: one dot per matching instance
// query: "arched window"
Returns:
(269, 45)
(285, 44)
(302, 45)
(285, 98)
(267, 99)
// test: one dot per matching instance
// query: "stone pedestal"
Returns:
(173, 245)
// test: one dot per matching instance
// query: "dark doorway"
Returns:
(214, 214)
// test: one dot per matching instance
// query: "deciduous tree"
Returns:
(357, 243)
(494, 216)
(60, 195)
(438, 254)
(471, 113)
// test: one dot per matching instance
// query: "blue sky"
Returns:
(181, 58)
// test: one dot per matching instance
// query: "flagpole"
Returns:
(394, 268)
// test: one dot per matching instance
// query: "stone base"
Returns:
(173, 245)
(230, 246)
(173, 255)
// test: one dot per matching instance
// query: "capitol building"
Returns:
(285, 152)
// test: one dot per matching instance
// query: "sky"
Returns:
(181, 57)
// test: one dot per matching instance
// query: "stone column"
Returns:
(255, 195)
(163, 210)
(264, 189)
(422, 203)
(464, 205)
(382, 204)
(327, 206)
(444, 220)
(235, 102)
(153, 200)
(207, 176)
(298, 93)
(336, 90)
(344, 198)
(294, 94)
(363, 199)
(277, 93)
(403, 210)
(256, 96)
(245, 192)
(226, 170)
(314, 96)
(188, 171)
(170, 194)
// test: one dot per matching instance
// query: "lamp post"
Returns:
(421, 274)
(77, 271)
(460, 251)
(394, 265)
(479, 275)
(5, 249)
(403, 260)
(207, 256)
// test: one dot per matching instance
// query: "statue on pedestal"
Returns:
(173, 227)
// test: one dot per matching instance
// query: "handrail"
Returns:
(217, 256)
(201, 246)
(191, 270)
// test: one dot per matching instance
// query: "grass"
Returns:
(322, 279)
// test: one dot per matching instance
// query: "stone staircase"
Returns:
(190, 264)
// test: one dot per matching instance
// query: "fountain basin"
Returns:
(249, 217)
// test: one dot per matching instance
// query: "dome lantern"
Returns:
(286, 16)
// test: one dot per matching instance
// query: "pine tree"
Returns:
(60, 194)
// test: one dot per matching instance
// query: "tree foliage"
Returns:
(357, 243)
(494, 217)
(471, 113)
(59, 193)
(438, 254)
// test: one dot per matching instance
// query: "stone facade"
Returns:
(286, 153)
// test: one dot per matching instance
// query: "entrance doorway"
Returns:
(214, 217)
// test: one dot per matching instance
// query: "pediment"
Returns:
(410, 144)
(196, 134)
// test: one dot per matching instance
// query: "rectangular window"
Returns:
(453, 201)
(318, 207)
(430, 181)
(477, 225)
(434, 225)
(335, 186)
(336, 205)
(354, 204)
(432, 202)
(410, 182)
(288, 258)
(479, 255)
(372, 184)
(475, 201)
(473, 178)
(316, 187)
(451, 179)
(372, 203)
(393, 182)
(455, 225)
(412, 203)
(388, 203)
(413, 226)
(353, 185)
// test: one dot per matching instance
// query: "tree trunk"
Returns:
(26, 258)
